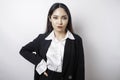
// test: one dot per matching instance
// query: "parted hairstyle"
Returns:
(49, 27)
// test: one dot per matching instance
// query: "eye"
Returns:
(55, 17)
(64, 17)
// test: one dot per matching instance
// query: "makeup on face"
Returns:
(59, 19)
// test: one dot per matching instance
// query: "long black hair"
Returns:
(49, 27)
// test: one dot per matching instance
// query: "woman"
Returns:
(58, 53)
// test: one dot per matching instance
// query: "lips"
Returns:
(59, 26)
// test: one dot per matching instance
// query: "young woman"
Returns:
(58, 53)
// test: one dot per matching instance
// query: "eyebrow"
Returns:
(62, 15)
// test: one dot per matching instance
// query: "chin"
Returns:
(60, 30)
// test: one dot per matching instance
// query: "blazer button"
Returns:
(69, 77)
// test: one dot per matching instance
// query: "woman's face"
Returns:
(59, 20)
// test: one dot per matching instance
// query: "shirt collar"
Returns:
(69, 35)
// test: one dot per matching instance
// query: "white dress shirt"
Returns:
(54, 54)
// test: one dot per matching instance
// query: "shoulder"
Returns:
(42, 36)
(77, 37)
(78, 41)
(39, 38)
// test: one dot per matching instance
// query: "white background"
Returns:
(96, 21)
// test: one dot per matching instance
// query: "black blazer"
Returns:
(73, 61)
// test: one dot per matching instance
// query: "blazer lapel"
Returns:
(44, 48)
(67, 54)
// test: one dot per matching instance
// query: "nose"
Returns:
(60, 21)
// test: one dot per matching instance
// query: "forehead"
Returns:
(59, 12)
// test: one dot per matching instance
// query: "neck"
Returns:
(59, 35)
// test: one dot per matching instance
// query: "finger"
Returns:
(45, 74)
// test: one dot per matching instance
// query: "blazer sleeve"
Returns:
(28, 51)
(80, 68)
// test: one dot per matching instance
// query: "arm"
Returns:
(28, 51)
(80, 72)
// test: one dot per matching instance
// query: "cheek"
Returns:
(65, 22)
(53, 24)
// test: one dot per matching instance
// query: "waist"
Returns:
(55, 68)
(57, 74)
